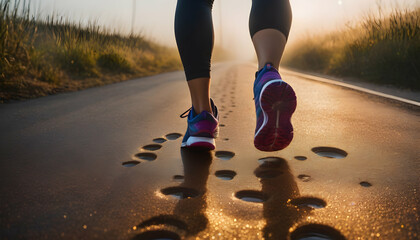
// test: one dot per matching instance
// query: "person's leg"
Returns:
(194, 36)
(269, 26)
(269, 45)
(275, 100)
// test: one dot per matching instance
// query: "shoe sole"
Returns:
(278, 103)
(200, 142)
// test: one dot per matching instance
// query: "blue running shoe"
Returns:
(275, 102)
(202, 128)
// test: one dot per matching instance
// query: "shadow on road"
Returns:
(279, 185)
(189, 214)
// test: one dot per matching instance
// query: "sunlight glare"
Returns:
(155, 19)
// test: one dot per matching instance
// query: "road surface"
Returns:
(81, 165)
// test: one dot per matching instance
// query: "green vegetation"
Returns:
(384, 50)
(41, 57)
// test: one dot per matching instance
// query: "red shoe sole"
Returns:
(278, 103)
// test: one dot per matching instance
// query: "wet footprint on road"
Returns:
(152, 147)
(365, 184)
(180, 192)
(329, 152)
(316, 231)
(148, 156)
(251, 196)
(300, 158)
(130, 163)
(173, 136)
(308, 203)
(225, 174)
(159, 140)
(224, 155)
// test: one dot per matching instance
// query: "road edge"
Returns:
(347, 85)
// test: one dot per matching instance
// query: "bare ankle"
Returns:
(200, 94)
(202, 106)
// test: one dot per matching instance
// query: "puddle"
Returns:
(173, 136)
(224, 155)
(180, 192)
(330, 152)
(159, 140)
(304, 177)
(301, 158)
(130, 163)
(157, 235)
(146, 156)
(316, 232)
(365, 184)
(152, 147)
(308, 202)
(225, 174)
(251, 196)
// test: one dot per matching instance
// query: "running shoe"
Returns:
(275, 102)
(202, 128)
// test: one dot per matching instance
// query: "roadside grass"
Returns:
(39, 57)
(383, 50)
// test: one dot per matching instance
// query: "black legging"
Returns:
(194, 29)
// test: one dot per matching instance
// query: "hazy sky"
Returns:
(154, 18)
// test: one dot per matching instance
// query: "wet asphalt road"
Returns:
(80, 165)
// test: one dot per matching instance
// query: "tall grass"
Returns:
(45, 56)
(384, 50)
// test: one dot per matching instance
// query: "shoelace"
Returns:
(184, 115)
